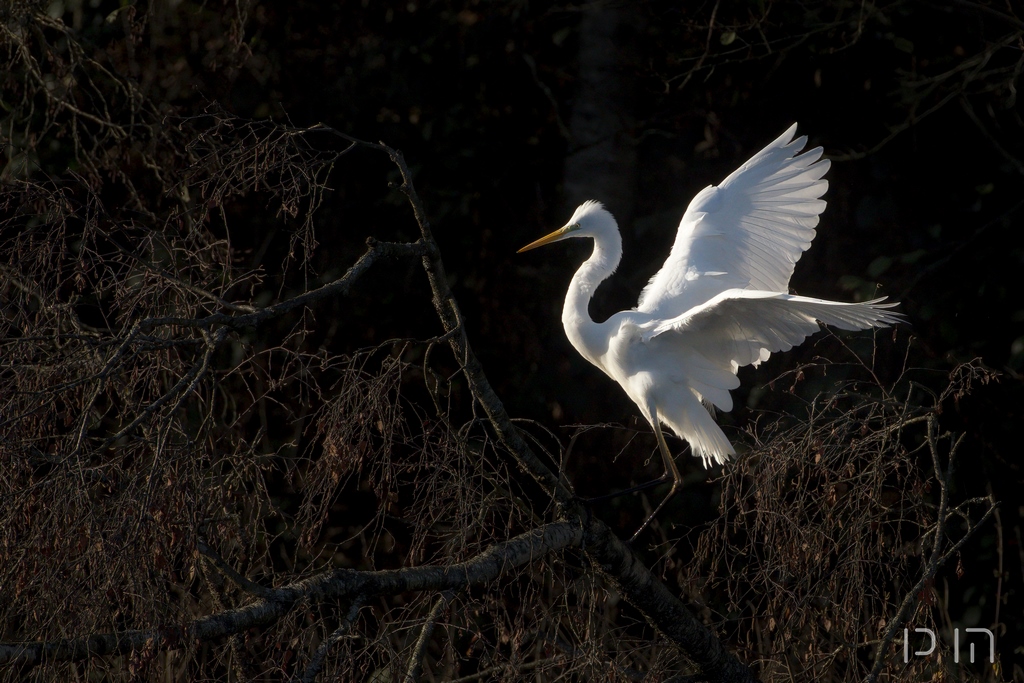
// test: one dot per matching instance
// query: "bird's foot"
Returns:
(650, 518)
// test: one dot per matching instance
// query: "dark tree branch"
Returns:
(181, 390)
(341, 584)
(227, 570)
(969, 71)
(663, 609)
(990, 11)
(448, 310)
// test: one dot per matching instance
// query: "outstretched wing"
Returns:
(742, 326)
(694, 356)
(746, 233)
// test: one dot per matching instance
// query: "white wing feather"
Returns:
(701, 350)
(746, 233)
(742, 326)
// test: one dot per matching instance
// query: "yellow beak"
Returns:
(546, 239)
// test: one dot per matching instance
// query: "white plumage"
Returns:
(720, 301)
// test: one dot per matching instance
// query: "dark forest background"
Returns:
(508, 114)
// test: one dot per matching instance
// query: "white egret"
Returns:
(720, 302)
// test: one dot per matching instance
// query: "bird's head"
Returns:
(590, 219)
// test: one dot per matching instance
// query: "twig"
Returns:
(493, 673)
(936, 558)
(374, 251)
(663, 608)
(992, 12)
(412, 674)
(185, 386)
(227, 570)
(978, 61)
(973, 116)
(316, 663)
(707, 48)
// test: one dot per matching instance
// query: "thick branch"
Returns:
(335, 585)
(662, 608)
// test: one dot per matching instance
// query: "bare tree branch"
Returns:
(662, 608)
(329, 586)
(448, 310)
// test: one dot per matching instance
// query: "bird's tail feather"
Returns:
(698, 427)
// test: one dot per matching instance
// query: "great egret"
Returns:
(720, 301)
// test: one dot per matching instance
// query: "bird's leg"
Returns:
(670, 468)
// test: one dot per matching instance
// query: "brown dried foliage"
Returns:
(828, 523)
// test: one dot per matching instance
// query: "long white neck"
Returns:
(583, 332)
